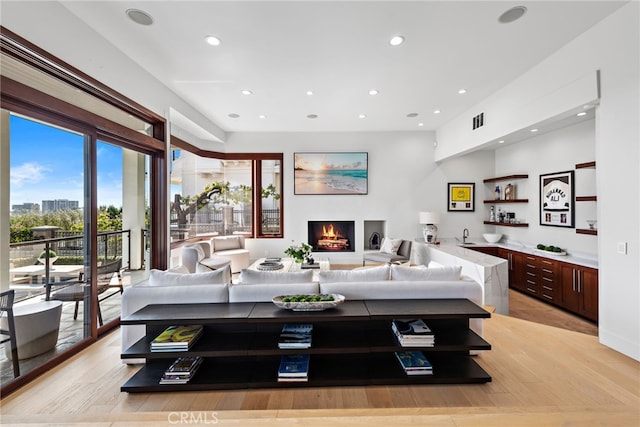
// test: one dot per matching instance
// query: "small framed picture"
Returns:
(556, 199)
(461, 197)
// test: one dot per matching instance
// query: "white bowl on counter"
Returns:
(492, 237)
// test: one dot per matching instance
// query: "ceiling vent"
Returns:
(478, 121)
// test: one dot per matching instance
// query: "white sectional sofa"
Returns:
(383, 282)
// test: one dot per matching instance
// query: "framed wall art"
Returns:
(461, 197)
(557, 206)
(330, 173)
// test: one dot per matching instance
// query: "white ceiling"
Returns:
(339, 50)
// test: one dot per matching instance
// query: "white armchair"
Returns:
(231, 247)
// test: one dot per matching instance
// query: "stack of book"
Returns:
(294, 367)
(295, 335)
(181, 370)
(176, 338)
(413, 333)
(414, 363)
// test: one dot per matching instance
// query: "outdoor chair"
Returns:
(397, 255)
(75, 291)
(6, 306)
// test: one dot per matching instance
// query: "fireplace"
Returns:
(331, 236)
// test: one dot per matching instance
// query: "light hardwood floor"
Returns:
(542, 376)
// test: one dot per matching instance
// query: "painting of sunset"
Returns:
(330, 173)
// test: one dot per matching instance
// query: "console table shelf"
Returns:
(352, 344)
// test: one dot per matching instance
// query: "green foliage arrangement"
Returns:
(299, 252)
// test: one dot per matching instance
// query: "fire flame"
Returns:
(328, 232)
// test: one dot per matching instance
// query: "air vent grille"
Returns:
(478, 121)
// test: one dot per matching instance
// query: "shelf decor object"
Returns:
(318, 302)
(430, 230)
(557, 206)
(461, 197)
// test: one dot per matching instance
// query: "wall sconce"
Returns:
(430, 231)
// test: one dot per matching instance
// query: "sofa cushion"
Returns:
(226, 243)
(179, 269)
(446, 273)
(248, 276)
(390, 246)
(264, 292)
(165, 278)
(374, 274)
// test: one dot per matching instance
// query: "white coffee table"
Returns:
(290, 266)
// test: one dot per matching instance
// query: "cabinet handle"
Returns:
(531, 282)
(547, 262)
(579, 274)
(547, 288)
(531, 266)
(510, 261)
(533, 291)
(547, 297)
(574, 280)
(531, 274)
(547, 279)
(547, 271)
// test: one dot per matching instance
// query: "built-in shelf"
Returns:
(586, 165)
(507, 224)
(505, 178)
(491, 202)
(586, 231)
(586, 198)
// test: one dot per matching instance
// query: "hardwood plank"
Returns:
(542, 375)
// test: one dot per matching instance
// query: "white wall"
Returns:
(551, 152)
(403, 180)
(613, 47)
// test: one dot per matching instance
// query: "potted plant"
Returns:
(299, 252)
(52, 256)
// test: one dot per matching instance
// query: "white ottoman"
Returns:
(37, 327)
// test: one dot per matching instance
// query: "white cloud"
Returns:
(27, 173)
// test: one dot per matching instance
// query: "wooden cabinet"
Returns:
(570, 286)
(580, 290)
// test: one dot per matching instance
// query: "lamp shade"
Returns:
(429, 218)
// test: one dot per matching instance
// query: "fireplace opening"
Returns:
(331, 236)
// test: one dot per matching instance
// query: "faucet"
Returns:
(465, 234)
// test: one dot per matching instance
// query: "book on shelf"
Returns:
(295, 335)
(294, 367)
(413, 333)
(414, 363)
(177, 338)
(181, 370)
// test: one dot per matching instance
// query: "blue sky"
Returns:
(47, 163)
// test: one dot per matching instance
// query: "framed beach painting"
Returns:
(556, 199)
(330, 173)
(461, 197)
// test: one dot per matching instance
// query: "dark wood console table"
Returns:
(352, 344)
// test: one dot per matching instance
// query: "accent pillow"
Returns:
(373, 274)
(248, 276)
(390, 246)
(226, 243)
(217, 277)
(446, 273)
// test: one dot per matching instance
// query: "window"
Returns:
(217, 195)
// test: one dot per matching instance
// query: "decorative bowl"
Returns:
(492, 237)
(281, 301)
(270, 266)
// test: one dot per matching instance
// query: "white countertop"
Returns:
(454, 248)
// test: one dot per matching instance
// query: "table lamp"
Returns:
(430, 231)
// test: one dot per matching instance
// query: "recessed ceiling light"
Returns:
(396, 40)
(410, 115)
(582, 113)
(534, 130)
(262, 116)
(139, 16)
(421, 124)
(312, 116)
(512, 14)
(436, 111)
(462, 91)
(309, 92)
(234, 115)
(373, 92)
(213, 40)
(246, 92)
(501, 141)
(362, 116)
